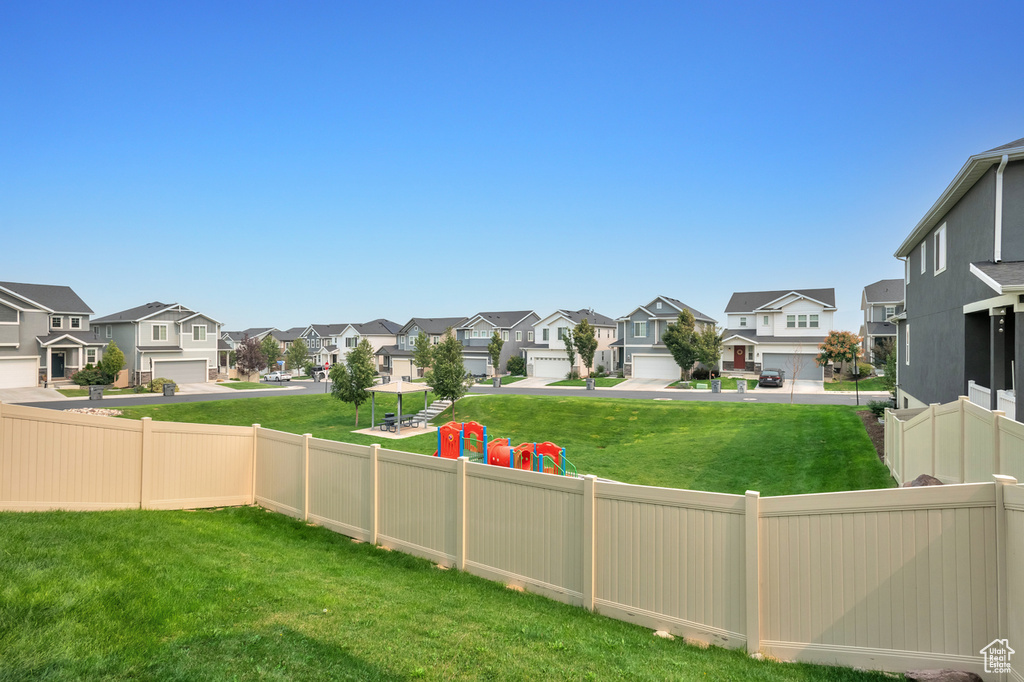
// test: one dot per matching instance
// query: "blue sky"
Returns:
(287, 163)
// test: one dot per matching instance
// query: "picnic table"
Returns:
(391, 422)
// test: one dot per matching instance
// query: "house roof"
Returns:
(137, 313)
(433, 325)
(885, 291)
(750, 301)
(160, 349)
(972, 171)
(289, 334)
(394, 351)
(1005, 277)
(378, 327)
(881, 329)
(82, 337)
(505, 319)
(223, 345)
(326, 329)
(54, 298)
(594, 318)
(675, 303)
(750, 335)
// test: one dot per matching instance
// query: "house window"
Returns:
(159, 332)
(545, 334)
(743, 322)
(906, 271)
(76, 323)
(56, 322)
(519, 336)
(906, 354)
(504, 335)
(561, 332)
(658, 306)
(529, 336)
(199, 332)
(939, 249)
(640, 330)
(924, 257)
(890, 310)
(791, 321)
(764, 321)
(415, 330)
(437, 340)
(90, 356)
(801, 321)
(813, 321)
(110, 331)
(351, 341)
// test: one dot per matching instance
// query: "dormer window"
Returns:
(56, 322)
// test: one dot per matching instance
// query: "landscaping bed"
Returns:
(599, 382)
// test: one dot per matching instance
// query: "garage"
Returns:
(19, 373)
(475, 366)
(806, 368)
(550, 367)
(655, 367)
(181, 371)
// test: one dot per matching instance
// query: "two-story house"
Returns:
(396, 360)
(639, 351)
(964, 278)
(320, 340)
(379, 333)
(164, 340)
(879, 302)
(544, 347)
(233, 338)
(45, 334)
(777, 330)
(475, 335)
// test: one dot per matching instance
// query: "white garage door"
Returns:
(655, 367)
(550, 367)
(183, 372)
(20, 373)
(475, 366)
(803, 364)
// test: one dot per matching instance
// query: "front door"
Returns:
(58, 365)
(739, 357)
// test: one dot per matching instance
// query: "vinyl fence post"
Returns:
(963, 438)
(588, 541)
(460, 513)
(372, 495)
(146, 464)
(997, 446)
(305, 475)
(935, 433)
(1001, 595)
(255, 442)
(903, 452)
(753, 570)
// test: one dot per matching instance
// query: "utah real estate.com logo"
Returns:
(997, 656)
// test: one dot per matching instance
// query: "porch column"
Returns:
(1002, 352)
(49, 365)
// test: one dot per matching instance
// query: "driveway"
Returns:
(29, 395)
(533, 382)
(640, 385)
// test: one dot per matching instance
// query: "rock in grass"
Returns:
(923, 479)
(663, 634)
(944, 675)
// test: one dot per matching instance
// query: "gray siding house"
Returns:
(165, 340)
(45, 334)
(638, 349)
(396, 359)
(964, 278)
(879, 302)
(513, 326)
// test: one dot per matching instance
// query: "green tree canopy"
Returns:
(271, 350)
(682, 341)
(350, 379)
(423, 354)
(838, 347)
(585, 341)
(494, 350)
(447, 375)
(570, 351)
(297, 355)
(709, 346)
(111, 364)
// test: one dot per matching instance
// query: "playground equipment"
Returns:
(469, 439)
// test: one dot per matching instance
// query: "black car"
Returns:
(771, 377)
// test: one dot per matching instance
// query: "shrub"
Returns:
(877, 407)
(866, 369)
(516, 366)
(89, 376)
(620, 374)
(157, 385)
(701, 373)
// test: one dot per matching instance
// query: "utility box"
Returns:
(95, 393)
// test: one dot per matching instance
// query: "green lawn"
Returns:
(82, 392)
(719, 447)
(246, 385)
(599, 382)
(242, 594)
(728, 383)
(869, 384)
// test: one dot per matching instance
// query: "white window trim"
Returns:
(519, 336)
(194, 328)
(529, 336)
(545, 334)
(906, 354)
(110, 332)
(56, 322)
(924, 256)
(887, 313)
(939, 249)
(765, 320)
(95, 355)
(73, 321)
(906, 271)
(812, 321)
(790, 321)
(504, 335)
(637, 326)
(156, 336)
(743, 322)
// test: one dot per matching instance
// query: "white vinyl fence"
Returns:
(979, 395)
(890, 579)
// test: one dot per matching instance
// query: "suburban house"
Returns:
(164, 340)
(258, 333)
(879, 301)
(379, 333)
(544, 347)
(475, 334)
(638, 349)
(45, 334)
(777, 330)
(286, 337)
(964, 278)
(319, 340)
(396, 360)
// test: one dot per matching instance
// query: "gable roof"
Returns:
(749, 301)
(1005, 277)
(378, 327)
(505, 319)
(675, 303)
(289, 334)
(137, 313)
(325, 329)
(971, 172)
(433, 325)
(885, 291)
(51, 297)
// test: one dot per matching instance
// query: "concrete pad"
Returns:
(29, 395)
(407, 432)
(533, 382)
(640, 385)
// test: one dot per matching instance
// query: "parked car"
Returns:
(771, 377)
(277, 376)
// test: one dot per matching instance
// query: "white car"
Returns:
(277, 376)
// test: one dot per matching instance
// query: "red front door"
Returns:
(739, 357)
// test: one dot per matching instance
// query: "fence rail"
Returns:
(890, 579)
(979, 395)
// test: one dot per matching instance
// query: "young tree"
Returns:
(494, 350)
(111, 364)
(271, 349)
(570, 351)
(681, 340)
(423, 353)
(249, 358)
(297, 354)
(351, 378)
(586, 343)
(883, 349)
(841, 347)
(889, 380)
(447, 374)
(709, 346)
